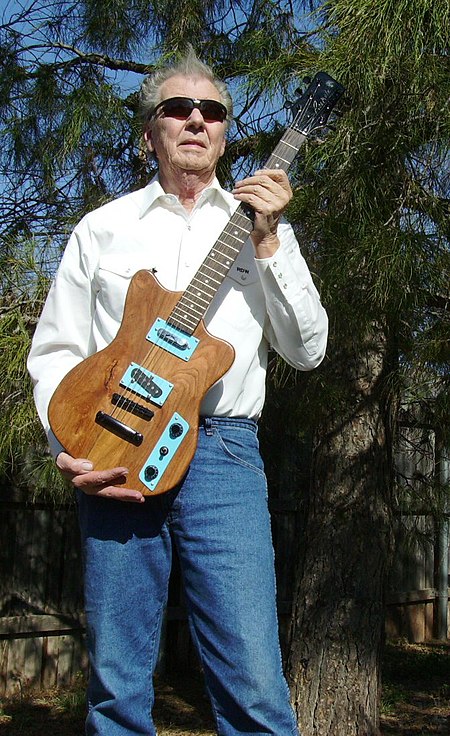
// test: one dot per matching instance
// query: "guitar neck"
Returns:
(192, 306)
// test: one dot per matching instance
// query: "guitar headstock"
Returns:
(313, 109)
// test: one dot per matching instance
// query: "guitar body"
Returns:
(135, 403)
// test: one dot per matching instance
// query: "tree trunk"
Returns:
(337, 622)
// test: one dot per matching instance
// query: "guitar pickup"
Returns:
(170, 338)
(146, 384)
(132, 406)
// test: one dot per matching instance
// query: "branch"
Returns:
(102, 60)
(440, 301)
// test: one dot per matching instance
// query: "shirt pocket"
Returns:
(113, 276)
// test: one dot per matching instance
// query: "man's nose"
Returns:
(196, 118)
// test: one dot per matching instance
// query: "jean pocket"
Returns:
(241, 445)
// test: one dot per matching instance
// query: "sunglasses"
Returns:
(182, 107)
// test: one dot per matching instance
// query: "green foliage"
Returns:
(372, 201)
(22, 440)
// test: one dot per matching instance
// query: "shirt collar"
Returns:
(154, 193)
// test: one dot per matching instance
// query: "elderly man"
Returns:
(217, 517)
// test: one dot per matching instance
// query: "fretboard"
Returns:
(192, 306)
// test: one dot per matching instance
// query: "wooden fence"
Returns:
(41, 611)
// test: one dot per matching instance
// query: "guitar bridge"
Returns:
(119, 428)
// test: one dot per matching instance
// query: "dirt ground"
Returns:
(415, 700)
(416, 690)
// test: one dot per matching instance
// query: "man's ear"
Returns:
(148, 139)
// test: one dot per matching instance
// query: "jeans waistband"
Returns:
(210, 422)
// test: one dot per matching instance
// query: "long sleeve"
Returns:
(297, 324)
(63, 336)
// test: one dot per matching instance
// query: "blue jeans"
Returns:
(218, 519)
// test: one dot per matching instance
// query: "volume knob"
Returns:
(150, 472)
(175, 430)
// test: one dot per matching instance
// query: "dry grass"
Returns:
(416, 690)
(181, 709)
(416, 700)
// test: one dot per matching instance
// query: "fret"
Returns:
(284, 160)
(186, 301)
(189, 313)
(237, 230)
(289, 145)
(193, 312)
(286, 150)
(223, 259)
(200, 297)
(212, 272)
(203, 288)
(184, 309)
(241, 221)
(232, 248)
(187, 323)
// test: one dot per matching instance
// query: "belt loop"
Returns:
(208, 426)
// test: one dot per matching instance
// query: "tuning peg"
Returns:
(301, 90)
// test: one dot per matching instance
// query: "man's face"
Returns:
(190, 145)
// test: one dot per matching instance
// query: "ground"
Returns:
(415, 700)
(416, 690)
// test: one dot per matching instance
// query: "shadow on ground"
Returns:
(416, 689)
(415, 700)
(181, 709)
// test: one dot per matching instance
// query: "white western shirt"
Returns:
(263, 302)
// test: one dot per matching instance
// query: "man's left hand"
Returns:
(268, 192)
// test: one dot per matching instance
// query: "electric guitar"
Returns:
(136, 403)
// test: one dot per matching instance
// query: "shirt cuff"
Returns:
(280, 267)
(54, 444)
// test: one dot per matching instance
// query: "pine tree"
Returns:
(371, 213)
(379, 223)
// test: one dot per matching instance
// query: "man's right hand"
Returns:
(80, 472)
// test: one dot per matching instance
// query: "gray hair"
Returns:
(188, 66)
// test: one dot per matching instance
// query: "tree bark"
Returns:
(337, 623)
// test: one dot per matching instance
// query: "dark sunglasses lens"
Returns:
(181, 107)
(178, 107)
(212, 111)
